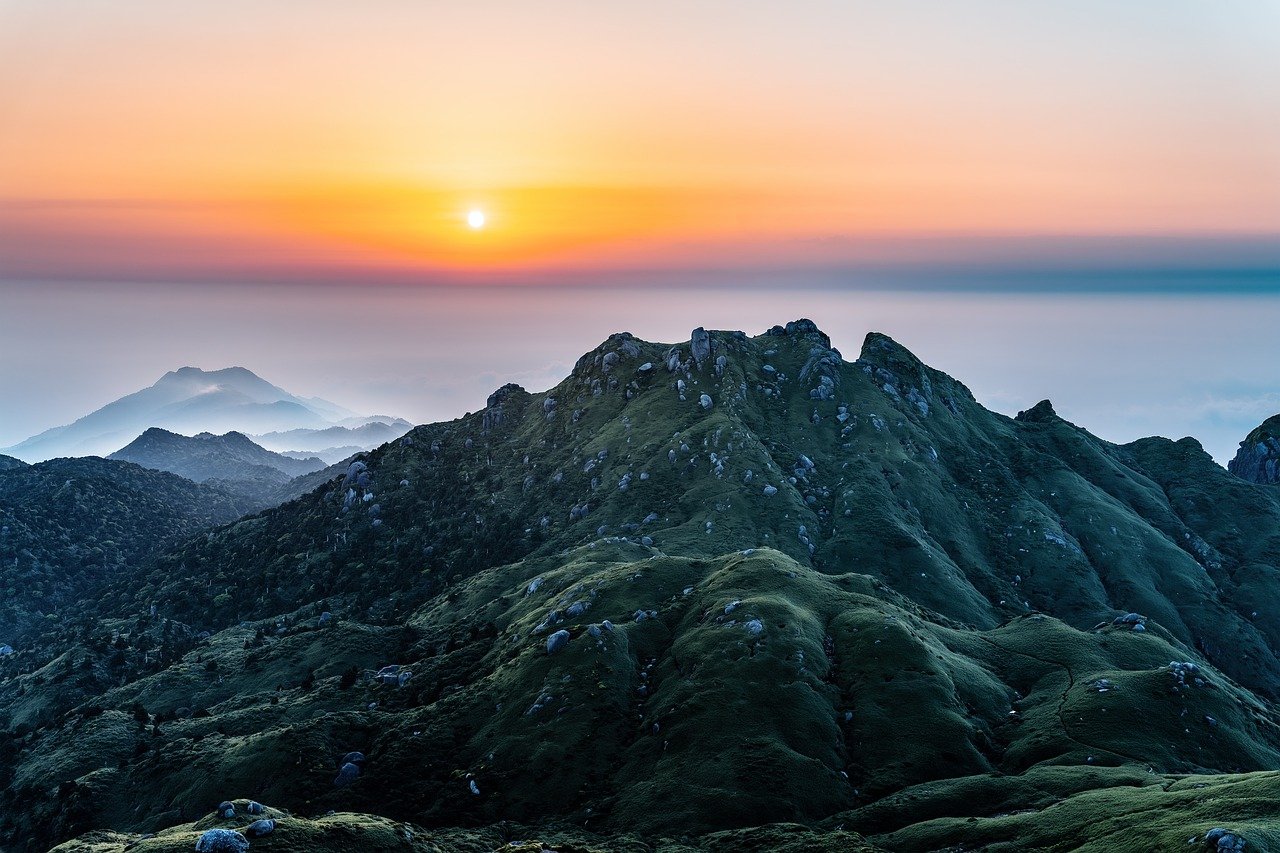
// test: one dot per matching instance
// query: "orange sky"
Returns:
(201, 138)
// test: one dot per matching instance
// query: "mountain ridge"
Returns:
(207, 456)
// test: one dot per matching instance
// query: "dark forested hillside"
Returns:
(70, 526)
(205, 456)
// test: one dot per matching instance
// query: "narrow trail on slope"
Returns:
(1062, 701)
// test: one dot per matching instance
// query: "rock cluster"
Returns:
(1258, 459)
(1224, 841)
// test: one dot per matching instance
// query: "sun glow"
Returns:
(476, 218)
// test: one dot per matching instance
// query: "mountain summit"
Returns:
(188, 400)
(690, 590)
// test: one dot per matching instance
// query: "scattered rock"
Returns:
(222, 841)
(1185, 673)
(348, 773)
(354, 470)
(259, 828)
(1129, 619)
(1224, 840)
(557, 641)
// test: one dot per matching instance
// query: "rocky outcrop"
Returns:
(1040, 413)
(700, 345)
(498, 401)
(1258, 459)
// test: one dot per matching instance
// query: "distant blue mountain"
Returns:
(188, 401)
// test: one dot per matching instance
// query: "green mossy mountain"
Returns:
(733, 592)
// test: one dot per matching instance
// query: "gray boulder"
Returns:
(354, 470)
(221, 841)
(1224, 840)
(700, 345)
(348, 774)
(557, 641)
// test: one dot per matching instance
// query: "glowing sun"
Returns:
(475, 218)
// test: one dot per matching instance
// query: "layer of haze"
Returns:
(1077, 200)
(252, 139)
(1122, 365)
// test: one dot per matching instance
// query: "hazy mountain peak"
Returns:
(187, 401)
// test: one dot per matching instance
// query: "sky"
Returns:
(261, 139)
(1076, 200)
